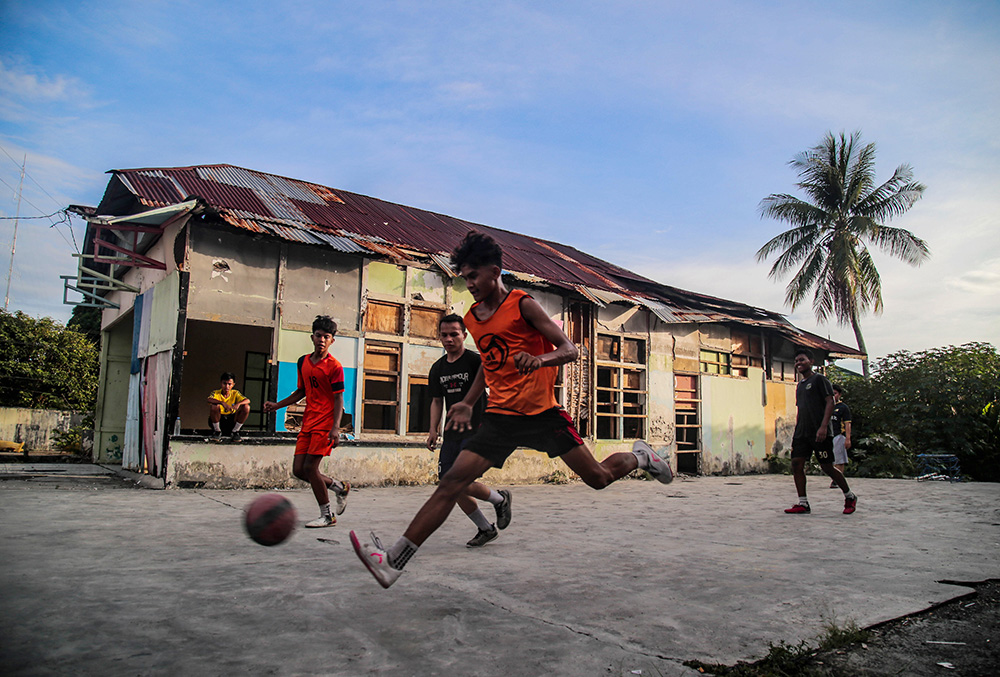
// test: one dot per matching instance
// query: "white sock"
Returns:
(324, 510)
(641, 460)
(216, 428)
(237, 426)
(803, 500)
(479, 519)
(401, 552)
(849, 494)
(495, 497)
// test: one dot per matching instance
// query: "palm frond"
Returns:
(805, 278)
(902, 244)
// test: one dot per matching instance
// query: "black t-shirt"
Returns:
(841, 413)
(810, 400)
(452, 380)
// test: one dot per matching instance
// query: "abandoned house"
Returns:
(206, 269)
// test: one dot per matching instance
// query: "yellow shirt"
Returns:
(228, 402)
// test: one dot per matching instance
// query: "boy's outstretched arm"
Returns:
(459, 416)
(564, 351)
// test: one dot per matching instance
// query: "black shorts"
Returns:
(451, 447)
(226, 422)
(551, 432)
(803, 447)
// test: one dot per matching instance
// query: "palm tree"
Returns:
(845, 213)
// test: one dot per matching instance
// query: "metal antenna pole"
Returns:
(13, 244)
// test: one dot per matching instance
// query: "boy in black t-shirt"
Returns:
(841, 423)
(449, 381)
(814, 406)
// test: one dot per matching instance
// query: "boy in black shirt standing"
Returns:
(814, 407)
(841, 422)
(449, 381)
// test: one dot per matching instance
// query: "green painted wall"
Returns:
(733, 434)
(387, 279)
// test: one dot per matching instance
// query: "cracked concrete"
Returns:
(640, 576)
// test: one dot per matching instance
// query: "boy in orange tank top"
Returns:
(521, 349)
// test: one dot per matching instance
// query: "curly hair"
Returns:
(477, 249)
(325, 323)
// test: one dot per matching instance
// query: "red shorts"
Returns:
(315, 443)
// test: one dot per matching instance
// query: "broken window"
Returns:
(380, 397)
(620, 392)
(715, 362)
(747, 352)
(384, 318)
(425, 322)
(686, 402)
(687, 422)
(782, 370)
(418, 405)
(256, 379)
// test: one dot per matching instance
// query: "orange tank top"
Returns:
(499, 338)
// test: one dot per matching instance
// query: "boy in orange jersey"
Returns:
(521, 348)
(321, 382)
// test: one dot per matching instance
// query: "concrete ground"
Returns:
(101, 577)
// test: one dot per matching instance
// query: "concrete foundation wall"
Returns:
(34, 427)
(230, 466)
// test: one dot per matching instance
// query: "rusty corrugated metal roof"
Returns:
(309, 213)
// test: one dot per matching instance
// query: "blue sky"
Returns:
(645, 133)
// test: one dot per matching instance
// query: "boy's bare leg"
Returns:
(836, 475)
(467, 469)
(799, 475)
(306, 468)
(599, 475)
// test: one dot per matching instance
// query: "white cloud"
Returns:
(22, 84)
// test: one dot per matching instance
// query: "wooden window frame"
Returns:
(717, 366)
(629, 404)
(690, 421)
(387, 347)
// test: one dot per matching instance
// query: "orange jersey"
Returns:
(499, 338)
(321, 381)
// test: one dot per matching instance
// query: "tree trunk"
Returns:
(861, 344)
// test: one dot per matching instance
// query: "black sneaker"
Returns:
(215, 435)
(483, 537)
(503, 510)
(235, 437)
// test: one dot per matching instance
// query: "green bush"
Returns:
(944, 400)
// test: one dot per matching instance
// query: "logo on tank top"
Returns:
(493, 351)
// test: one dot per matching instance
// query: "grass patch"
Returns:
(789, 660)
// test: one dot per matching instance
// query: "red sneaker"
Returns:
(850, 505)
(798, 509)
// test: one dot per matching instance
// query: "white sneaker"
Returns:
(375, 557)
(322, 521)
(654, 465)
(341, 495)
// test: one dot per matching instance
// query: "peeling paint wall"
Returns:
(386, 279)
(733, 439)
(320, 282)
(34, 427)
(233, 278)
(687, 347)
(109, 415)
(779, 417)
(660, 376)
(426, 285)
